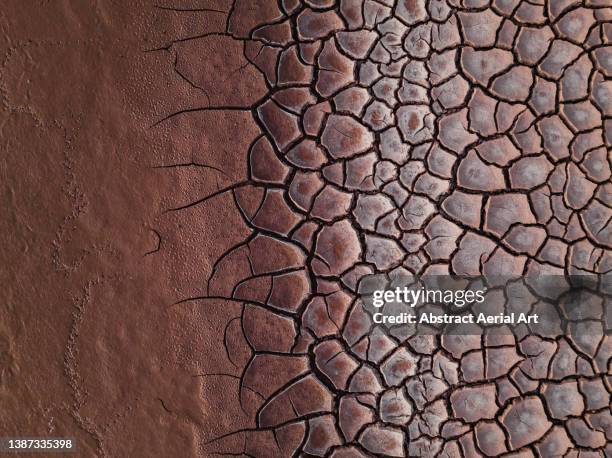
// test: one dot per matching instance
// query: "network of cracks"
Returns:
(469, 137)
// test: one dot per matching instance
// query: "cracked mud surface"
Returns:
(297, 146)
(449, 137)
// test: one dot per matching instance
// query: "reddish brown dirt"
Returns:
(90, 346)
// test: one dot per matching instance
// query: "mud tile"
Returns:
(490, 438)
(380, 439)
(345, 137)
(322, 436)
(353, 415)
(474, 403)
(331, 203)
(525, 421)
(337, 248)
(480, 29)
